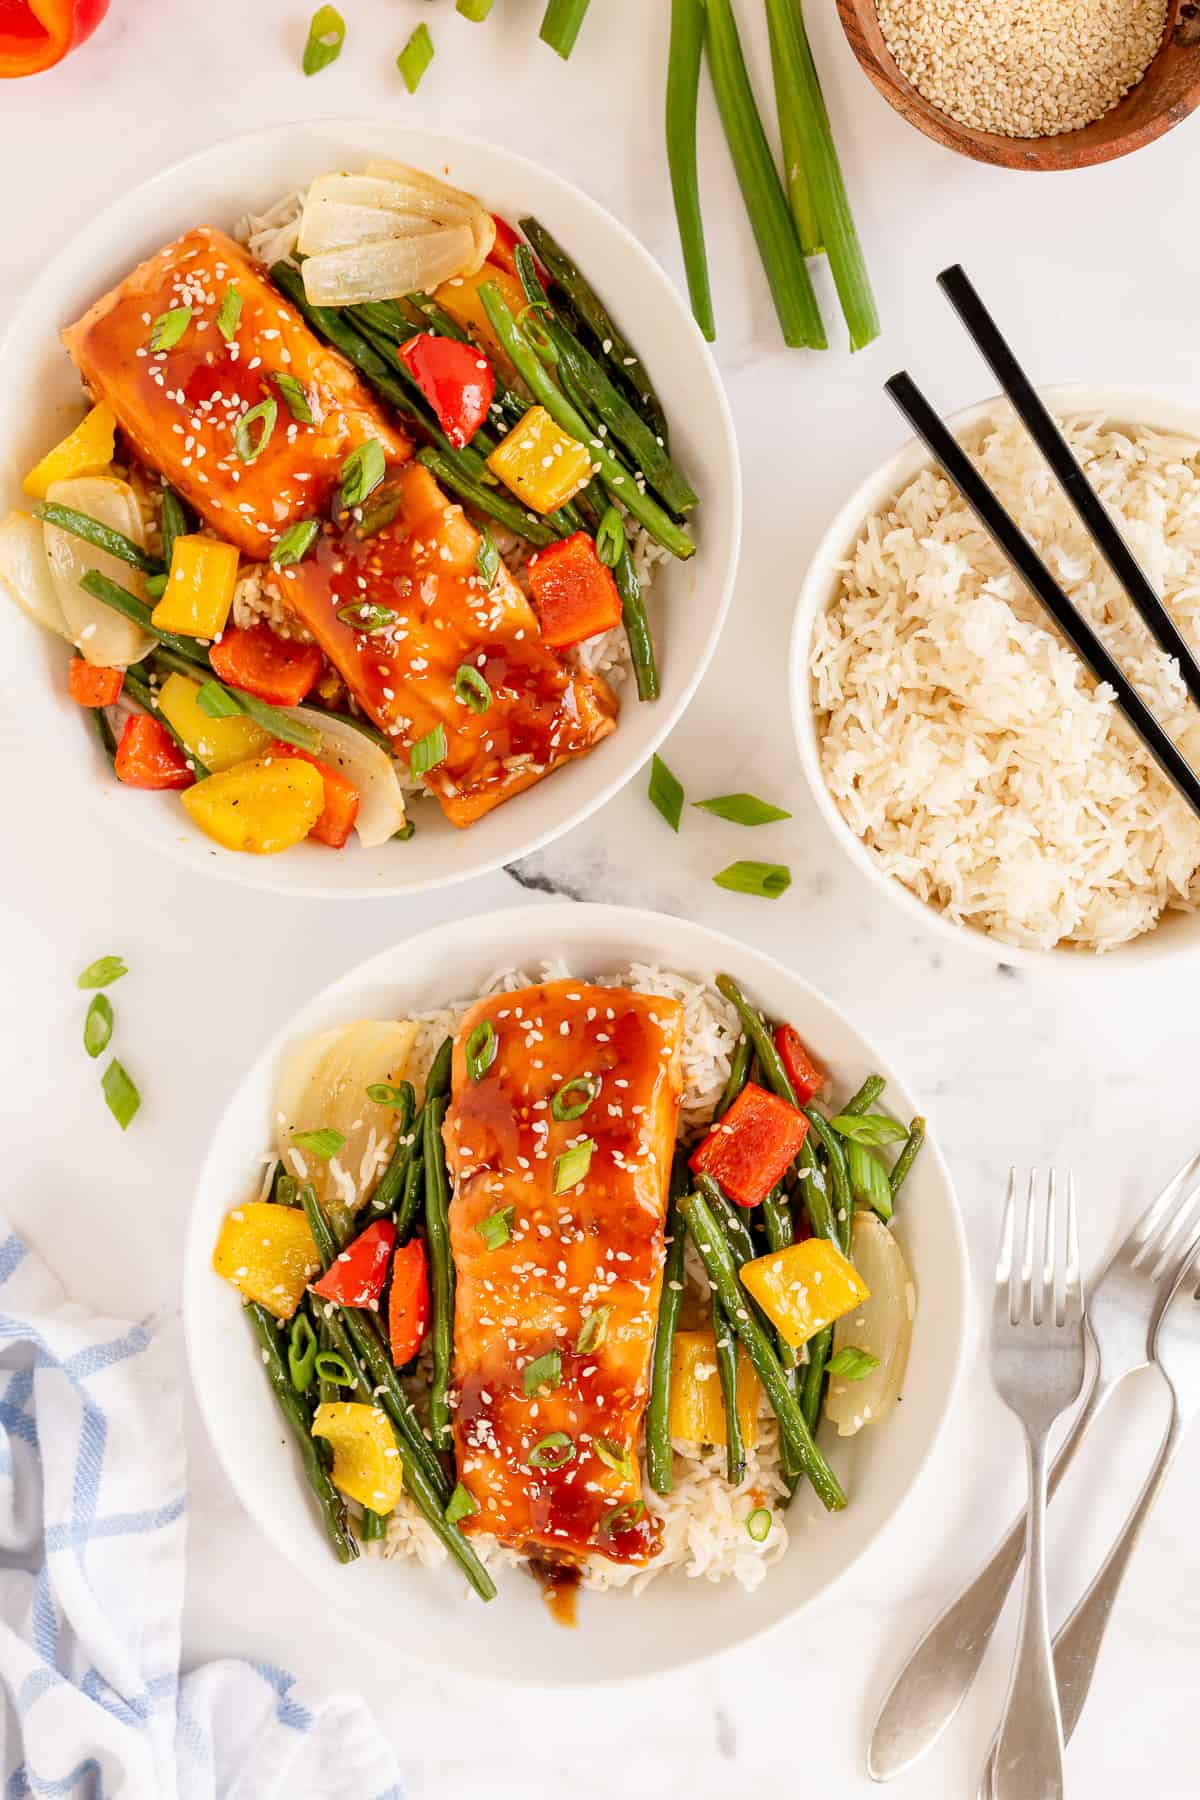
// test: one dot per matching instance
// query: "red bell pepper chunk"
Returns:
(456, 379)
(357, 1275)
(149, 757)
(277, 669)
(503, 250)
(751, 1147)
(36, 34)
(408, 1303)
(574, 594)
(336, 820)
(803, 1073)
(90, 686)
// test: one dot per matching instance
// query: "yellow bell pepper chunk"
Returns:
(460, 298)
(85, 451)
(367, 1466)
(268, 1253)
(697, 1410)
(540, 463)
(199, 590)
(219, 743)
(804, 1288)
(261, 807)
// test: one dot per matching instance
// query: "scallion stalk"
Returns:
(683, 86)
(560, 26)
(795, 175)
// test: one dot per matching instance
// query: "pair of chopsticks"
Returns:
(1010, 539)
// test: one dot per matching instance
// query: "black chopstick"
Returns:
(1009, 537)
(958, 288)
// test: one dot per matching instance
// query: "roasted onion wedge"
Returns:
(882, 1326)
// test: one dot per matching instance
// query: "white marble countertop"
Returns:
(1096, 276)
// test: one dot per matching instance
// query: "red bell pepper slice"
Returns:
(456, 379)
(803, 1072)
(149, 757)
(408, 1303)
(36, 34)
(91, 686)
(336, 820)
(574, 594)
(752, 1146)
(277, 669)
(503, 250)
(357, 1275)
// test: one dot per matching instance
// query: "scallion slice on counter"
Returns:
(496, 1229)
(561, 23)
(572, 1166)
(869, 1179)
(365, 616)
(852, 1364)
(594, 1330)
(584, 1087)
(428, 752)
(610, 538)
(554, 1451)
(323, 1144)
(460, 1505)
(295, 543)
(623, 1518)
(248, 446)
(169, 327)
(384, 1094)
(294, 395)
(98, 1025)
(471, 688)
(302, 1352)
(326, 35)
(666, 793)
(868, 1128)
(765, 880)
(481, 1049)
(229, 313)
(120, 1093)
(612, 1454)
(487, 558)
(102, 973)
(758, 1525)
(542, 1372)
(475, 10)
(415, 57)
(331, 1366)
(362, 472)
(741, 809)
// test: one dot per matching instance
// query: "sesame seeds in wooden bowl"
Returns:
(1032, 84)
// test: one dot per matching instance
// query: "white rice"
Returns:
(703, 1518)
(964, 742)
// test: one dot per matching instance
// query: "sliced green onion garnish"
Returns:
(475, 10)
(362, 472)
(481, 1049)
(295, 543)
(471, 688)
(742, 809)
(758, 1525)
(230, 312)
(285, 1190)
(365, 616)
(868, 1128)
(333, 1367)
(622, 1518)
(496, 1229)
(766, 880)
(584, 1087)
(98, 1025)
(851, 1363)
(665, 792)
(169, 327)
(460, 1505)
(294, 395)
(383, 1094)
(415, 57)
(572, 1166)
(216, 702)
(542, 1372)
(302, 1352)
(326, 35)
(869, 1179)
(382, 510)
(156, 586)
(122, 1097)
(101, 973)
(428, 752)
(560, 25)
(324, 1143)
(487, 558)
(593, 1331)
(612, 1454)
(249, 447)
(554, 1451)
(610, 538)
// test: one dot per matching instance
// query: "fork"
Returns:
(1038, 1361)
(1121, 1314)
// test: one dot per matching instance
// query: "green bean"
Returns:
(713, 1246)
(359, 723)
(763, 1044)
(333, 1507)
(907, 1156)
(279, 723)
(98, 535)
(490, 501)
(437, 1082)
(441, 1270)
(144, 694)
(683, 87)
(103, 730)
(814, 1376)
(130, 607)
(633, 608)
(412, 1201)
(725, 1339)
(732, 1218)
(817, 1203)
(866, 1096)
(374, 1527)
(391, 1183)
(658, 1410)
(841, 1200)
(780, 1230)
(739, 1074)
(174, 522)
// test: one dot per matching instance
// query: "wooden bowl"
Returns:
(1167, 93)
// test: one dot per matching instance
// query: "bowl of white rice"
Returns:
(958, 750)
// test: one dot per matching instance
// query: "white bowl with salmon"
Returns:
(465, 1211)
(346, 521)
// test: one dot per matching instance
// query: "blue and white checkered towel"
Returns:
(93, 1505)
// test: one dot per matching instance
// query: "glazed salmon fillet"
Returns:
(574, 1275)
(396, 602)
(180, 407)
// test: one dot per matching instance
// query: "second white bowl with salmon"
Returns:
(370, 504)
